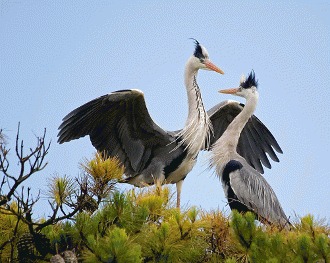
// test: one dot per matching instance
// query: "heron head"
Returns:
(201, 60)
(247, 87)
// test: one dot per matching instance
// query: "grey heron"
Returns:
(119, 124)
(245, 188)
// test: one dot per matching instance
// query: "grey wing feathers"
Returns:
(255, 140)
(253, 191)
(120, 125)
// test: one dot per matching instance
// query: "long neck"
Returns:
(195, 102)
(226, 145)
(196, 131)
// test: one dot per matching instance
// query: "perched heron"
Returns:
(119, 124)
(245, 188)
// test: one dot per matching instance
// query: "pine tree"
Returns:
(92, 221)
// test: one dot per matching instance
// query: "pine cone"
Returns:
(88, 204)
(25, 247)
(69, 257)
(57, 259)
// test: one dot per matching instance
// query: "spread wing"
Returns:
(255, 140)
(252, 190)
(119, 124)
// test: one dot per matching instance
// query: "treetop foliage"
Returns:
(92, 221)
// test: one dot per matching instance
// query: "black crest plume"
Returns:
(198, 53)
(250, 81)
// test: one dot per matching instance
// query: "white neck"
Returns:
(196, 131)
(225, 147)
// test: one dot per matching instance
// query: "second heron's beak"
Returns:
(229, 91)
(209, 65)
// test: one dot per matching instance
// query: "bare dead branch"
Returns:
(79, 199)
(32, 162)
(4, 163)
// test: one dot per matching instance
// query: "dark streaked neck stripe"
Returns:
(199, 106)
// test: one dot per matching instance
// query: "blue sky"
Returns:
(58, 55)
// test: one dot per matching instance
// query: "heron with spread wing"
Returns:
(119, 124)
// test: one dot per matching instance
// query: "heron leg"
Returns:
(178, 193)
(158, 187)
(158, 181)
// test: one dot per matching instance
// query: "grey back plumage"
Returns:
(253, 191)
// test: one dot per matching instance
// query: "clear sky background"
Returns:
(57, 55)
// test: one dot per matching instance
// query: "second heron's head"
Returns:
(247, 87)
